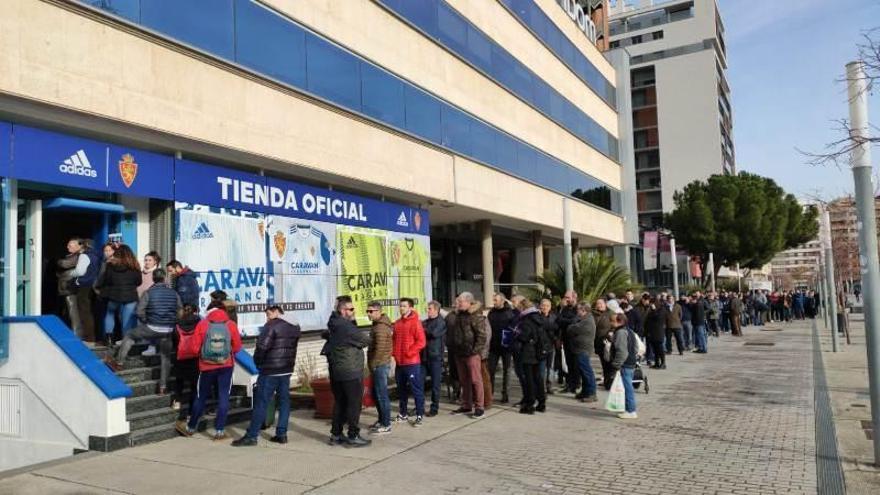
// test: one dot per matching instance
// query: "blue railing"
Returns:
(111, 385)
(269, 44)
(440, 22)
(531, 16)
(246, 361)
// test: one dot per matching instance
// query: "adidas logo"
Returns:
(78, 164)
(202, 232)
(351, 243)
(402, 221)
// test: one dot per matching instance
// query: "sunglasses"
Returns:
(372, 311)
(349, 309)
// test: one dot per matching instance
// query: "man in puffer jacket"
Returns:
(467, 338)
(581, 337)
(275, 356)
(409, 340)
(379, 363)
(432, 354)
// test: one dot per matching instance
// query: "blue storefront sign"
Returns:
(54, 158)
(216, 186)
(5, 148)
(4, 341)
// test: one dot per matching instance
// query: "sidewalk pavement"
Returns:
(847, 377)
(738, 420)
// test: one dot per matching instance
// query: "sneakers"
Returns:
(541, 408)
(478, 413)
(418, 422)
(221, 435)
(628, 415)
(381, 430)
(277, 439)
(336, 440)
(589, 398)
(526, 410)
(431, 413)
(149, 351)
(357, 441)
(183, 429)
(175, 405)
(245, 441)
(375, 425)
(401, 419)
(461, 410)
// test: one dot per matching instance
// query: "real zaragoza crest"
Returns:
(128, 169)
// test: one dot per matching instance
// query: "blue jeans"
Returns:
(126, 316)
(700, 338)
(409, 380)
(688, 330)
(266, 386)
(222, 379)
(626, 374)
(588, 378)
(433, 368)
(380, 393)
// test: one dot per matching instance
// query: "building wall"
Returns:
(58, 57)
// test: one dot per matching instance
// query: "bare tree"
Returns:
(837, 152)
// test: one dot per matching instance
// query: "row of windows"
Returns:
(638, 39)
(442, 23)
(530, 14)
(261, 40)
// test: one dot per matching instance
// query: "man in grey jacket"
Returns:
(579, 337)
(623, 359)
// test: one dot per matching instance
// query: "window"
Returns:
(127, 9)
(422, 114)
(212, 32)
(268, 43)
(453, 30)
(382, 96)
(657, 35)
(456, 130)
(615, 44)
(333, 73)
(483, 142)
(635, 40)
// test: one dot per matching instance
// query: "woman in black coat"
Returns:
(655, 331)
(117, 284)
(533, 345)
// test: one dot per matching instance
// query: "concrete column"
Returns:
(488, 261)
(538, 244)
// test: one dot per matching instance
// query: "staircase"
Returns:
(149, 414)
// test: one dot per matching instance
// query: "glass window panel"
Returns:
(483, 142)
(506, 153)
(542, 95)
(333, 73)
(528, 161)
(382, 96)
(456, 130)
(423, 116)
(480, 48)
(422, 13)
(269, 43)
(452, 30)
(205, 24)
(127, 9)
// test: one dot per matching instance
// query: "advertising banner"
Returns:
(303, 269)
(227, 251)
(410, 258)
(650, 250)
(65, 160)
(363, 269)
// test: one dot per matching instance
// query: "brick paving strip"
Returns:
(738, 420)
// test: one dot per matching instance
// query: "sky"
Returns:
(784, 60)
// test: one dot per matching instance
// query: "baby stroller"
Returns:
(639, 377)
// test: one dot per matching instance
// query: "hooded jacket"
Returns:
(531, 336)
(275, 353)
(499, 319)
(467, 335)
(344, 348)
(187, 287)
(216, 316)
(435, 336)
(379, 351)
(408, 340)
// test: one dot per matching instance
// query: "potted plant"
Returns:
(319, 386)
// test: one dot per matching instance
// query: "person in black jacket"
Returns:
(345, 357)
(275, 356)
(581, 337)
(655, 330)
(432, 353)
(699, 307)
(501, 319)
(117, 283)
(186, 369)
(531, 338)
(567, 315)
(184, 282)
(551, 331)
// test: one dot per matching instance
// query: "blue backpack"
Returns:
(507, 335)
(217, 347)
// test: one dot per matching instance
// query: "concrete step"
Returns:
(146, 403)
(154, 417)
(134, 375)
(153, 434)
(144, 388)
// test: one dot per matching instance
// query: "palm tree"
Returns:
(594, 276)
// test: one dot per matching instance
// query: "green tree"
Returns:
(744, 218)
(594, 276)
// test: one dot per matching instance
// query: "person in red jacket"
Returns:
(218, 340)
(407, 343)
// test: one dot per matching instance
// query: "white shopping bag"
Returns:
(616, 397)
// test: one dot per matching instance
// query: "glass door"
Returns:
(27, 254)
